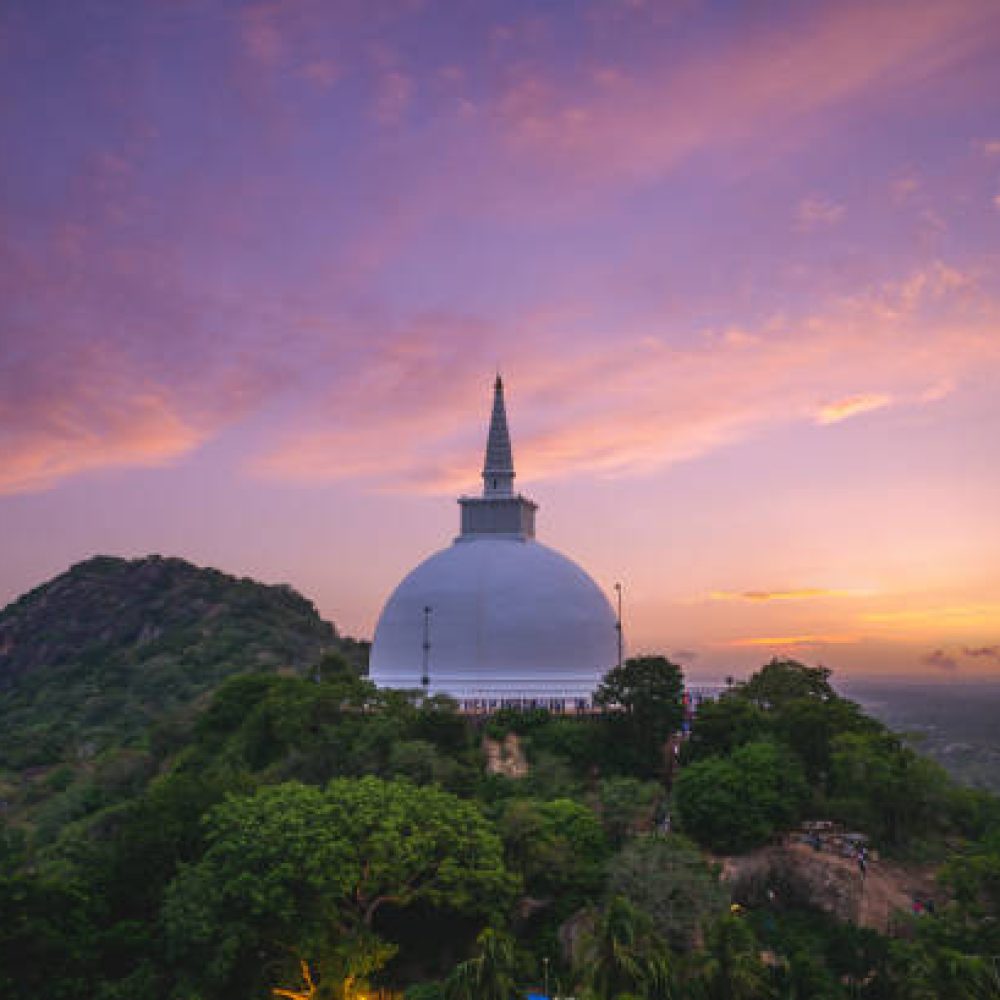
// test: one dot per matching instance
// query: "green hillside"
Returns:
(89, 660)
(211, 817)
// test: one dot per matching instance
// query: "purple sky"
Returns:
(740, 266)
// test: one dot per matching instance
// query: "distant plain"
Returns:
(956, 723)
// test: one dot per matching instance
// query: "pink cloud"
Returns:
(110, 359)
(261, 31)
(394, 93)
(97, 409)
(96, 413)
(764, 82)
(324, 73)
(904, 187)
(816, 211)
(636, 401)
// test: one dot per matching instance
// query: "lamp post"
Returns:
(545, 966)
(425, 678)
(618, 623)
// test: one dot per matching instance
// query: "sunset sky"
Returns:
(739, 264)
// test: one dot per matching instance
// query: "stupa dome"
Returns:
(497, 615)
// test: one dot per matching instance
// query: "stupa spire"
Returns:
(499, 512)
(498, 466)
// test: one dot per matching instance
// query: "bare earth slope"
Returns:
(831, 883)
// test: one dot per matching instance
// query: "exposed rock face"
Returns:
(90, 658)
(798, 874)
(506, 757)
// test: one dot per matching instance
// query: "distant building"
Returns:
(497, 618)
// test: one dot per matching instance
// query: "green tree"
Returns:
(733, 803)
(810, 725)
(803, 975)
(627, 805)
(722, 725)
(643, 699)
(424, 991)
(667, 879)
(421, 762)
(489, 975)
(335, 667)
(623, 955)
(295, 872)
(918, 971)
(48, 941)
(557, 846)
(973, 878)
(781, 681)
(731, 966)
(887, 789)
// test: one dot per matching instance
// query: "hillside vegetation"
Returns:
(91, 659)
(309, 836)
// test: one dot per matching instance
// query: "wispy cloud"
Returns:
(764, 82)
(261, 32)
(324, 73)
(950, 658)
(647, 402)
(395, 91)
(816, 211)
(904, 187)
(852, 406)
(795, 594)
(104, 416)
(948, 615)
(941, 660)
(793, 640)
(84, 389)
(983, 652)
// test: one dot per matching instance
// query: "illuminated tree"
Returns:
(299, 871)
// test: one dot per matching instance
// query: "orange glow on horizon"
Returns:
(793, 640)
(799, 594)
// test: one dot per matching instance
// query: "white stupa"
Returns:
(497, 617)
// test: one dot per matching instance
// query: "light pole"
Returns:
(545, 966)
(618, 623)
(425, 678)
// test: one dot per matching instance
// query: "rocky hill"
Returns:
(798, 875)
(91, 658)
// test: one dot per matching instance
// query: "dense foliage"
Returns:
(91, 659)
(646, 693)
(295, 873)
(735, 802)
(311, 836)
(827, 759)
